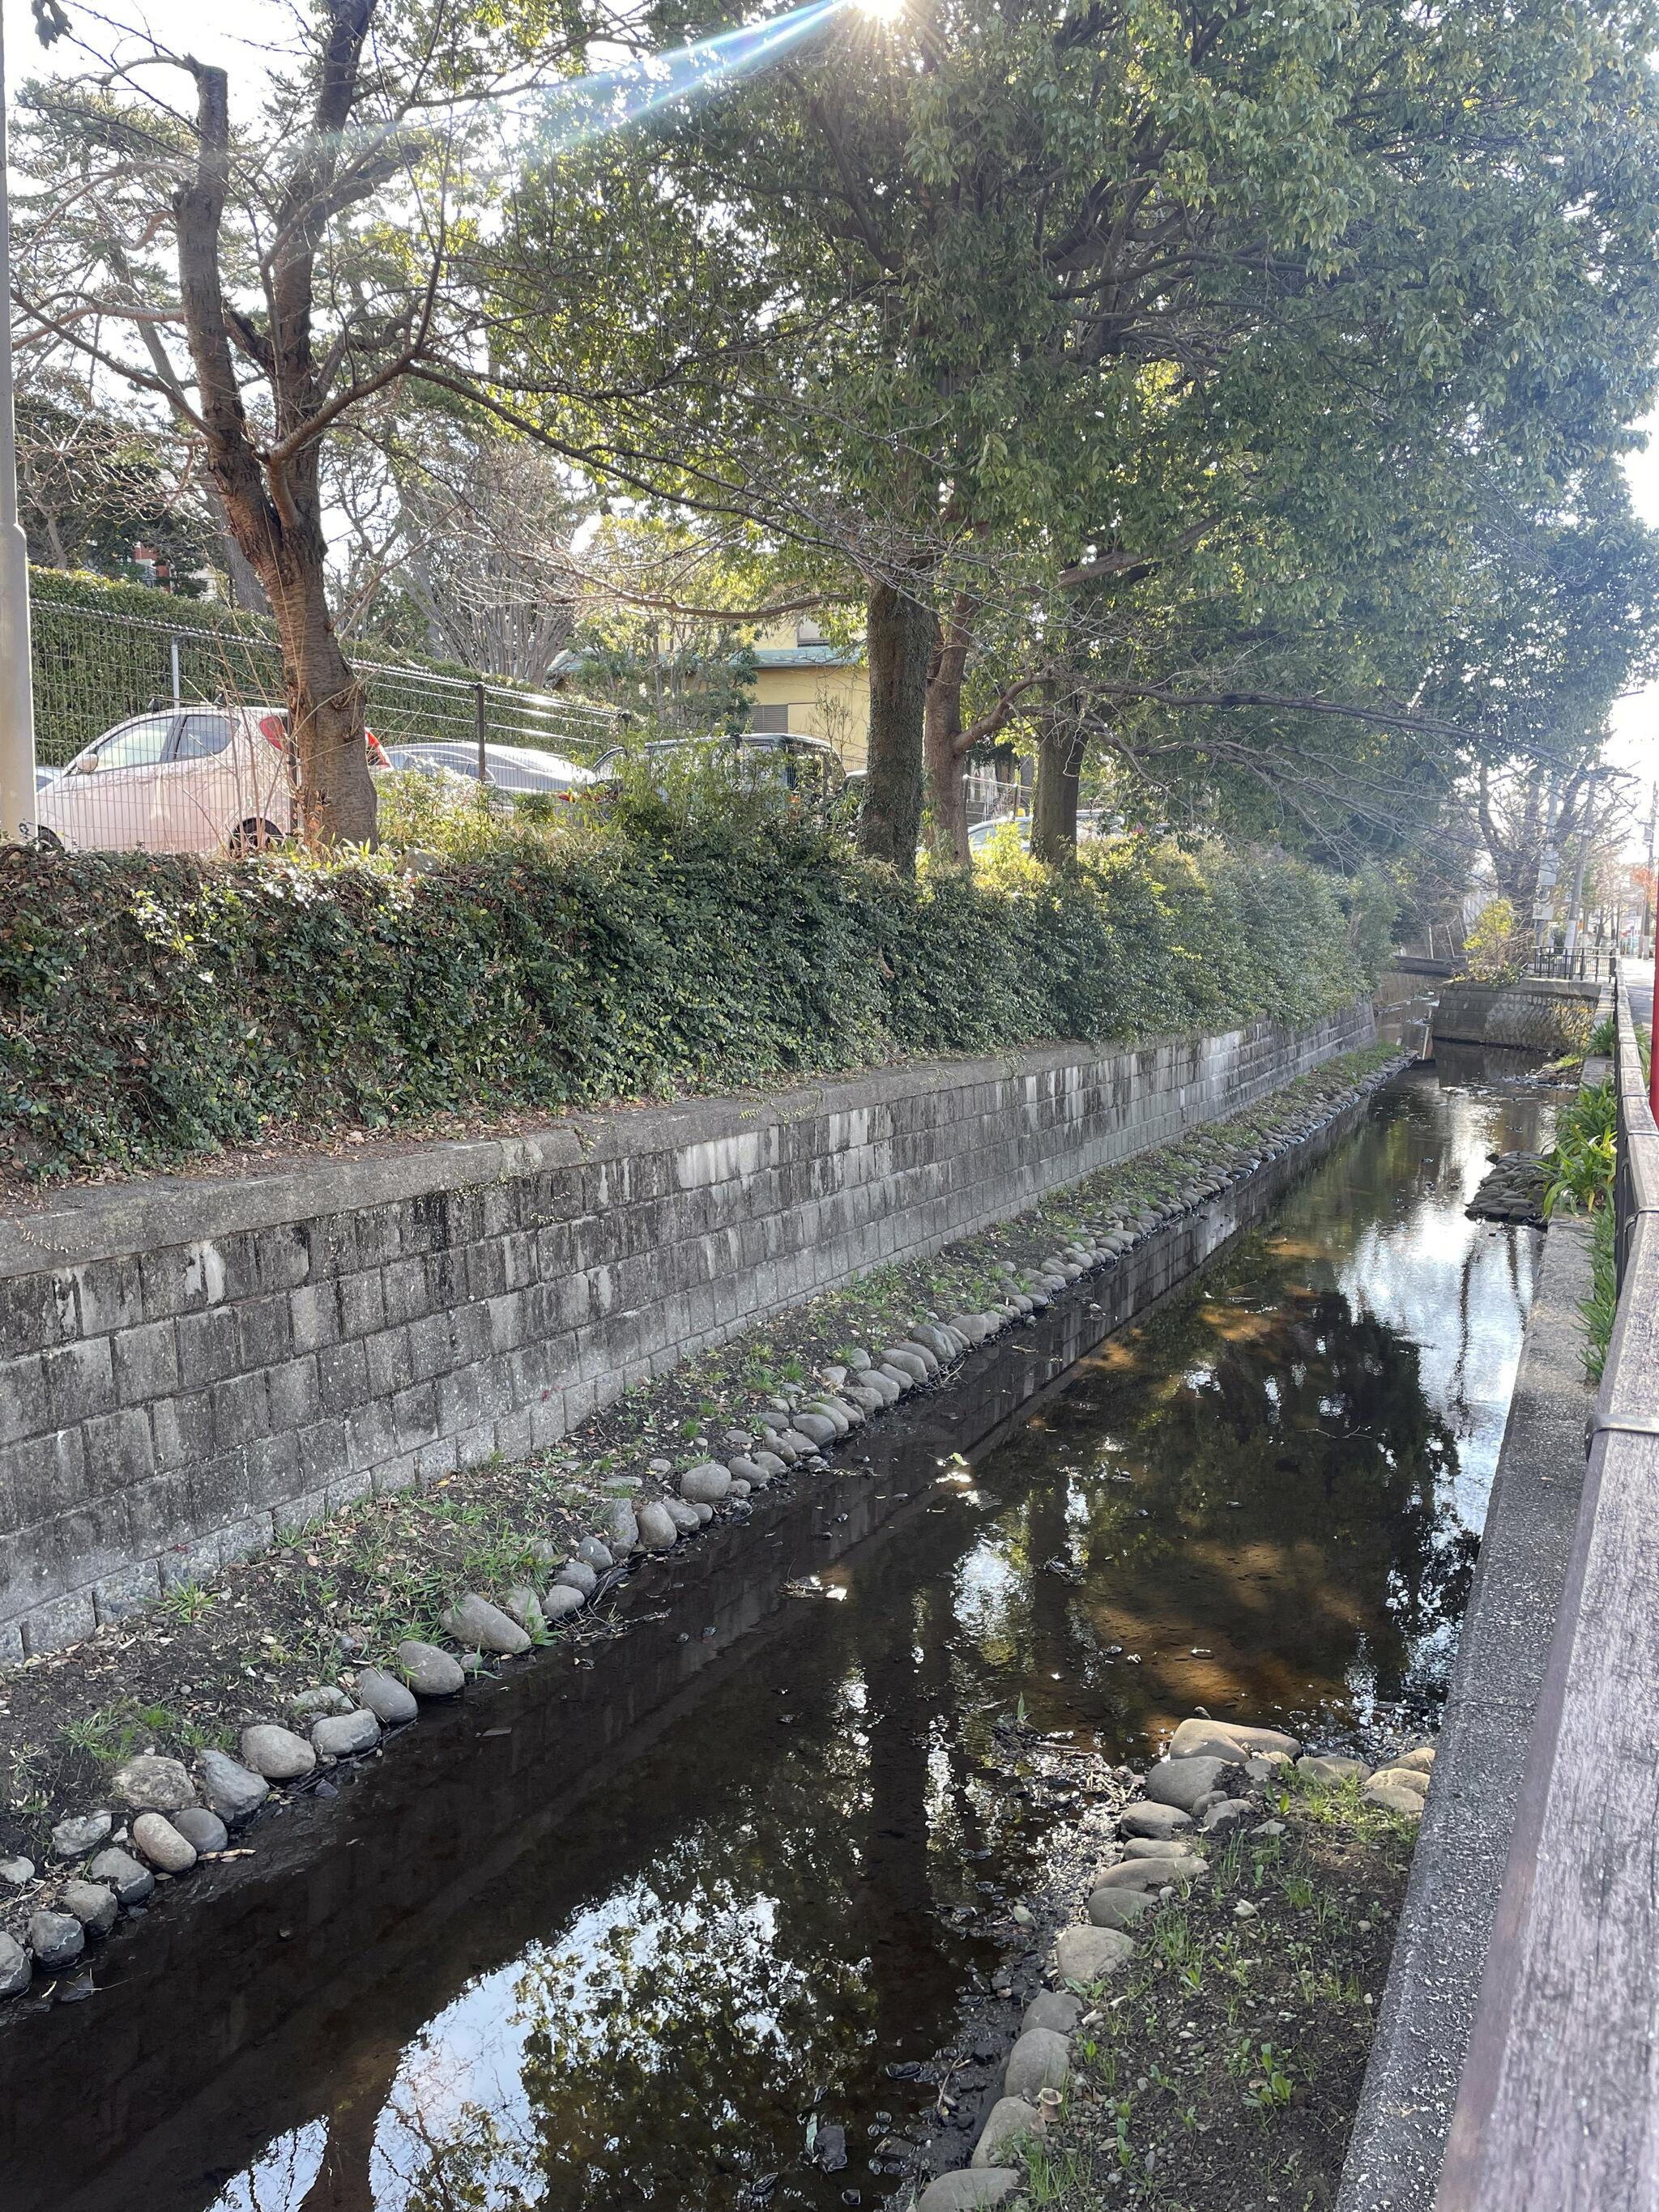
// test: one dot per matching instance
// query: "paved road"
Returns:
(1641, 998)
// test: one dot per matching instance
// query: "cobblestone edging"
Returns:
(1218, 1781)
(189, 1367)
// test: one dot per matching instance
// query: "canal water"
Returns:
(647, 1935)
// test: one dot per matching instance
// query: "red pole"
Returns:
(1653, 1026)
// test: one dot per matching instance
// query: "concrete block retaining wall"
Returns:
(1537, 1014)
(190, 1365)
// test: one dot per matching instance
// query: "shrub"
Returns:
(152, 1009)
(1495, 950)
(1579, 1166)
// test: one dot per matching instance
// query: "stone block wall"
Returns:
(190, 1365)
(1537, 1014)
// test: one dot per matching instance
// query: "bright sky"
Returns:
(230, 36)
(1635, 742)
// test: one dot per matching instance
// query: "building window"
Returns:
(772, 719)
(808, 633)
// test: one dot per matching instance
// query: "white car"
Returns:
(186, 779)
(1091, 823)
(507, 767)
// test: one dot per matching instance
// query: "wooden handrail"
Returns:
(1558, 2107)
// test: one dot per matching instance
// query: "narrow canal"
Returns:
(655, 1958)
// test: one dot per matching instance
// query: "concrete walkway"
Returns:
(1411, 2082)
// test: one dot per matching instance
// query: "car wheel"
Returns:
(250, 837)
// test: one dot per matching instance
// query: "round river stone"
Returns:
(132, 1882)
(15, 1968)
(344, 1735)
(57, 1939)
(386, 1698)
(231, 1789)
(276, 1752)
(429, 1671)
(475, 1623)
(202, 1831)
(162, 1845)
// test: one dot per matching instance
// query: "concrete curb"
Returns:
(1440, 1948)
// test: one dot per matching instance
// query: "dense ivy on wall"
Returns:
(152, 1010)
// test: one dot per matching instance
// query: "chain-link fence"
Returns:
(172, 736)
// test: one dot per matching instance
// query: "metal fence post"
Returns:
(478, 715)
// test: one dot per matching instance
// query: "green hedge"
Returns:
(152, 1010)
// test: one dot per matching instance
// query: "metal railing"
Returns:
(93, 669)
(1557, 2103)
(1587, 964)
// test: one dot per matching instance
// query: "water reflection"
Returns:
(1265, 1498)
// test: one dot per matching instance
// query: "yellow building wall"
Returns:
(823, 703)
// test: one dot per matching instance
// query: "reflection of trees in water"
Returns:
(1315, 1418)
(673, 2044)
(669, 2049)
(1343, 1537)
(284, 2176)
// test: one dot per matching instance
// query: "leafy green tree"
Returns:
(1190, 339)
(264, 269)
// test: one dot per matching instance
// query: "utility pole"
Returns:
(1549, 868)
(1583, 856)
(16, 687)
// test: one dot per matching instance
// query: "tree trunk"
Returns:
(1053, 813)
(947, 784)
(246, 589)
(271, 496)
(899, 642)
(336, 797)
(361, 2088)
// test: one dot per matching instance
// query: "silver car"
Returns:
(507, 767)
